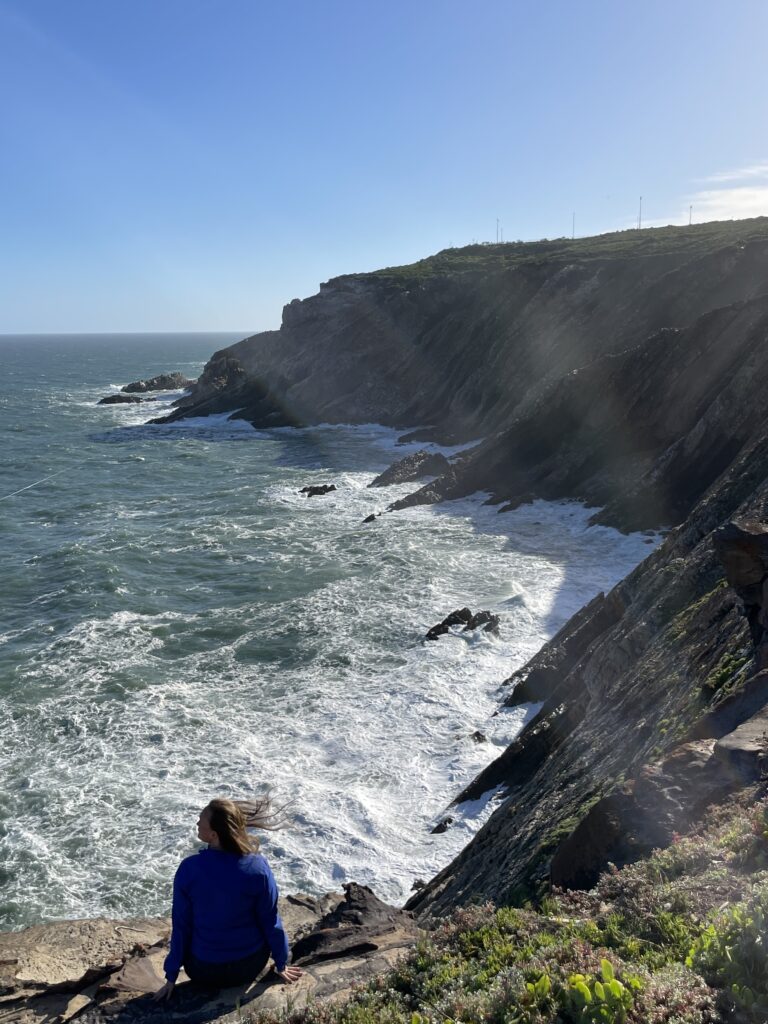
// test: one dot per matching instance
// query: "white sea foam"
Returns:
(186, 623)
(309, 673)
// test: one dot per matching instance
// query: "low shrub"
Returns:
(731, 954)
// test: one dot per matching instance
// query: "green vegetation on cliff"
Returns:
(677, 938)
(488, 257)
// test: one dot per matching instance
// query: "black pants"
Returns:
(224, 975)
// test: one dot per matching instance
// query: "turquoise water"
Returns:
(177, 621)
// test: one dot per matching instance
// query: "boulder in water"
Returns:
(442, 826)
(120, 400)
(467, 620)
(315, 489)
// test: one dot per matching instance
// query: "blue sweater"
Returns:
(224, 908)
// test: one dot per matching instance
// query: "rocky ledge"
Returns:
(104, 970)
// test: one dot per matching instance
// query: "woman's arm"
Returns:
(181, 926)
(269, 922)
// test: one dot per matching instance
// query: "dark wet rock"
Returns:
(478, 737)
(120, 400)
(460, 617)
(313, 490)
(163, 382)
(525, 755)
(372, 517)
(743, 549)
(539, 679)
(356, 925)
(225, 386)
(467, 620)
(418, 883)
(487, 620)
(442, 826)
(518, 501)
(412, 467)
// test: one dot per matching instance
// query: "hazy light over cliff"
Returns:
(181, 164)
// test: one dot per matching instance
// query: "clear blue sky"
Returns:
(195, 164)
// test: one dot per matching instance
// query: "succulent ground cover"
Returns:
(677, 938)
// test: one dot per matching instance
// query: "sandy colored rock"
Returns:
(68, 954)
(746, 748)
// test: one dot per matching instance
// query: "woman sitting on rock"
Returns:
(225, 919)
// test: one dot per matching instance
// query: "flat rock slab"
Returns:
(746, 748)
(68, 954)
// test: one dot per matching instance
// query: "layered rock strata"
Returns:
(654, 707)
(624, 369)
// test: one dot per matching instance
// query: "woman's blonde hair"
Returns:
(229, 819)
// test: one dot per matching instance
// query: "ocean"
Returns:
(178, 621)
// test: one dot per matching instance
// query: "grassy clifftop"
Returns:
(677, 938)
(488, 257)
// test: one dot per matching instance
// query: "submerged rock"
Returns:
(163, 382)
(442, 826)
(120, 400)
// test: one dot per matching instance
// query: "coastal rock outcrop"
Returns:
(743, 549)
(162, 382)
(225, 386)
(107, 970)
(412, 467)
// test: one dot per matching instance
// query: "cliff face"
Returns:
(644, 432)
(655, 707)
(626, 370)
(468, 340)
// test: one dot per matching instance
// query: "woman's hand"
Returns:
(290, 974)
(165, 992)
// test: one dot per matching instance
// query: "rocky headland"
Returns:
(627, 371)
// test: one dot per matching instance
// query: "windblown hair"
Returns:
(229, 819)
